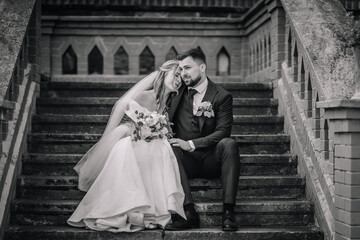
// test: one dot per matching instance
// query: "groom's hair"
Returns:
(195, 53)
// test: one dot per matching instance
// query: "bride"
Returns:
(132, 180)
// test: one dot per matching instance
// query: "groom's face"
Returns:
(190, 71)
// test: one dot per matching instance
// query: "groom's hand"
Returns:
(177, 142)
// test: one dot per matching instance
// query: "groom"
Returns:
(202, 116)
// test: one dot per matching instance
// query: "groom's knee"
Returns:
(229, 151)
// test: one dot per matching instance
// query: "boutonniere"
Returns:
(206, 109)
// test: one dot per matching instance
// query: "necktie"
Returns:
(191, 93)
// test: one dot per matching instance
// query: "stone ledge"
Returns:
(345, 103)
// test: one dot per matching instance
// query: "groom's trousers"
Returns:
(222, 160)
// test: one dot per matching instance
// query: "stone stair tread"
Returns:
(88, 101)
(82, 118)
(93, 137)
(113, 84)
(242, 206)
(43, 158)
(72, 181)
(244, 233)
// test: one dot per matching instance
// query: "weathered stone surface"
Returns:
(80, 143)
(334, 67)
(244, 233)
(103, 106)
(14, 18)
(248, 213)
(60, 123)
(249, 187)
(102, 88)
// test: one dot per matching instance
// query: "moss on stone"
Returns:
(315, 22)
(14, 19)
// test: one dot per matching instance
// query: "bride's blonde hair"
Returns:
(158, 84)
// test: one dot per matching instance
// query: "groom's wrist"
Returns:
(192, 145)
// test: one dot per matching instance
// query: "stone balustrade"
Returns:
(19, 80)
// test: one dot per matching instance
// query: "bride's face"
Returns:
(173, 80)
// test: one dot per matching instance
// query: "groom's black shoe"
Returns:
(229, 221)
(179, 223)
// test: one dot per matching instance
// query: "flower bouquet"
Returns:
(151, 125)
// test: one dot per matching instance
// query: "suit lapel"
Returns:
(175, 102)
(208, 97)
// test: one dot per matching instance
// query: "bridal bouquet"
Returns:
(151, 125)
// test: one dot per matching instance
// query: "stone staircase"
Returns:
(70, 119)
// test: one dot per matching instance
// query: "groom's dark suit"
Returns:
(215, 152)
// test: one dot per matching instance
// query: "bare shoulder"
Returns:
(147, 99)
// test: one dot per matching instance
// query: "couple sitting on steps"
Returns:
(173, 125)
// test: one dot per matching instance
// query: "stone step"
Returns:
(244, 233)
(248, 212)
(62, 164)
(80, 143)
(117, 89)
(61, 123)
(249, 187)
(103, 106)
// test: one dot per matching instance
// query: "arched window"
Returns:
(172, 53)
(69, 61)
(223, 62)
(95, 61)
(121, 62)
(147, 62)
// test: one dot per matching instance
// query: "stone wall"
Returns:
(159, 35)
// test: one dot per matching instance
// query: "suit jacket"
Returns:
(215, 128)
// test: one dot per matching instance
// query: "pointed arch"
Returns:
(69, 61)
(289, 47)
(269, 49)
(265, 53)
(325, 139)
(95, 61)
(171, 54)
(121, 62)
(147, 61)
(302, 79)
(309, 98)
(296, 63)
(223, 62)
(317, 117)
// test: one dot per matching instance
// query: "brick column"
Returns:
(277, 37)
(344, 124)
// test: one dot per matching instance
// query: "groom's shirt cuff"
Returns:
(192, 145)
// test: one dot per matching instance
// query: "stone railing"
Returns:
(258, 22)
(19, 79)
(351, 5)
(314, 88)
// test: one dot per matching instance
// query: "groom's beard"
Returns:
(192, 82)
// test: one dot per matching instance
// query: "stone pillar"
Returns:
(344, 123)
(277, 37)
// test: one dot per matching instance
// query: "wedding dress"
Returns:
(135, 186)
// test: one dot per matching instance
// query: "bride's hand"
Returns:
(177, 142)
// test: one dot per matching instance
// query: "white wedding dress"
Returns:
(138, 187)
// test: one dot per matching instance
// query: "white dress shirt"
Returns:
(198, 97)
